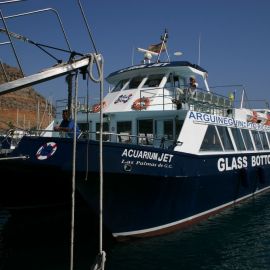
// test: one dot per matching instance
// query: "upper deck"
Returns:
(162, 86)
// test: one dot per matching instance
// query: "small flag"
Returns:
(157, 47)
(232, 96)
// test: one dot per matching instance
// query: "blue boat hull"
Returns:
(147, 191)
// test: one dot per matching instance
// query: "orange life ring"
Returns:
(96, 107)
(140, 104)
(267, 123)
(254, 117)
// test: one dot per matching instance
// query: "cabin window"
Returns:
(211, 140)
(124, 131)
(106, 137)
(225, 138)
(238, 139)
(153, 81)
(247, 139)
(134, 83)
(178, 127)
(168, 129)
(257, 139)
(119, 85)
(145, 131)
(264, 140)
(268, 136)
(174, 81)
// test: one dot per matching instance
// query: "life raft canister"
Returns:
(96, 107)
(141, 104)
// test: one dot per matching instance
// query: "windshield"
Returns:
(153, 81)
(119, 85)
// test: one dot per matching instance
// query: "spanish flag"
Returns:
(157, 48)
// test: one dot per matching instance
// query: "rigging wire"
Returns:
(39, 45)
(87, 26)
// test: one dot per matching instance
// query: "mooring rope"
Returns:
(101, 257)
(73, 174)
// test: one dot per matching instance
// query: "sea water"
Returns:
(237, 238)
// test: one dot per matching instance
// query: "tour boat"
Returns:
(172, 154)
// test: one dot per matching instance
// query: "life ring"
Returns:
(267, 123)
(254, 117)
(46, 150)
(140, 104)
(96, 107)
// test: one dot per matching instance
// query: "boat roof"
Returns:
(186, 68)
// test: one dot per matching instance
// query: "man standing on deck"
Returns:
(67, 125)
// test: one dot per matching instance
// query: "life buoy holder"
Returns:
(140, 104)
(96, 107)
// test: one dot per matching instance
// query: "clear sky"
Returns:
(235, 37)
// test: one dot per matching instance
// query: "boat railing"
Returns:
(126, 138)
(11, 139)
(184, 98)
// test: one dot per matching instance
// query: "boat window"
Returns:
(145, 131)
(178, 127)
(257, 139)
(124, 131)
(247, 139)
(238, 139)
(134, 83)
(168, 129)
(211, 140)
(173, 81)
(106, 137)
(264, 140)
(225, 138)
(153, 80)
(268, 136)
(119, 85)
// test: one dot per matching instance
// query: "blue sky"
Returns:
(235, 37)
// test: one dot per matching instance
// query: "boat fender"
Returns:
(96, 107)
(243, 174)
(140, 104)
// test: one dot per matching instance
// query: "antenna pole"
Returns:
(242, 98)
(199, 57)
(164, 40)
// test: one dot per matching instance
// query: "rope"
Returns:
(88, 132)
(73, 175)
(98, 59)
(101, 257)
(99, 63)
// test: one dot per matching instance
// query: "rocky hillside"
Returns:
(24, 108)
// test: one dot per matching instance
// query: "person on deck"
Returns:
(192, 84)
(67, 125)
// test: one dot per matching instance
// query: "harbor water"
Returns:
(237, 238)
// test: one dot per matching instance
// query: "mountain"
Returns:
(24, 108)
